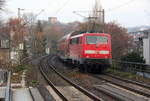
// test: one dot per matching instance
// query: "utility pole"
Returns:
(19, 9)
(103, 16)
(92, 17)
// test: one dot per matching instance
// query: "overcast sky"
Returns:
(126, 12)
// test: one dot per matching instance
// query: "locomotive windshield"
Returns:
(96, 39)
(91, 39)
(103, 39)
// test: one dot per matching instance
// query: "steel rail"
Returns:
(86, 92)
(126, 87)
(50, 83)
(130, 81)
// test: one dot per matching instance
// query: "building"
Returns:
(142, 43)
(146, 46)
(4, 47)
(52, 20)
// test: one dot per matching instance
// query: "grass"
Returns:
(34, 82)
(127, 75)
(122, 74)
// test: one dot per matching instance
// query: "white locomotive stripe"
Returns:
(90, 52)
(104, 52)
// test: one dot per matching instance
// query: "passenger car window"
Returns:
(80, 40)
(74, 41)
(77, 40)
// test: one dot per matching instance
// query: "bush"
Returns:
(34, 81)
(21, 67)
(133, 57)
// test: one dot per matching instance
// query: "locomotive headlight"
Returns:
(90, 52)
(104, 52)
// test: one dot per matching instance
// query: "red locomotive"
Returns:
(92, 51)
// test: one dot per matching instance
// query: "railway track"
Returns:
(130, 81)
(139, 90)
(108, 88)
(82, 79)
(67, 90)
(119, 90)
(129, 86)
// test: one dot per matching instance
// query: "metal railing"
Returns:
(5, 81)
(3, 76)
(132, 67)
(8, 88)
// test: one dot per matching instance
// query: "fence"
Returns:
(5, 81)
(132, 67)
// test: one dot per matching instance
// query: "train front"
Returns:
(97, 49)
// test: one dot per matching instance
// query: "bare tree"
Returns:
(95, 21)
(40, 38)
(30, 23)
(98, 12)
(35, 33)
(120, 39)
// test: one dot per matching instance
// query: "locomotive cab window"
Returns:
(103, 39)
(96, 39)
(91, 39)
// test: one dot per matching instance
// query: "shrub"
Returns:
(21, 67)
(133, 57)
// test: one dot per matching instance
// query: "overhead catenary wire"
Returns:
(75, 12)
(120, 6)
(112, 9)
(115, 8)
(59, 9)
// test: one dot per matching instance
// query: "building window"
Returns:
(4, 43)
